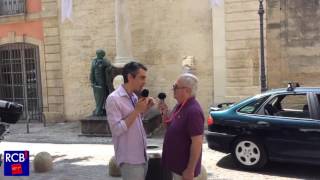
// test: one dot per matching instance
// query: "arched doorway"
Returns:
(20, 77)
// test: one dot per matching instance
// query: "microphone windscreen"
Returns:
(162, 96)
(145, 93)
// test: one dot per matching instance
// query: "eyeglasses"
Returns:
(175, 87)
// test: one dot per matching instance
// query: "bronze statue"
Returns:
(100, 77)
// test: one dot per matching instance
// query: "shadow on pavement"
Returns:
(56, 133)
(74, 160)
(70, 169)
(289, 170)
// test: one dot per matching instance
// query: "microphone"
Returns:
(144, 93)
(162, 96)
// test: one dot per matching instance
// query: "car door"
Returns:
(293, 129)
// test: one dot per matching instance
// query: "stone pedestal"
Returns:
(95, 126)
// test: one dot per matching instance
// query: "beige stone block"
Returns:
(238, 54)
(48, 1)
(53, 58)
(232, 1)
(49, 14)
(52, 49)
(243, 25)
(52, 40)
(241, 6)
(56, 108)
(55, 91)
(242, 35)
(238, 63)
(55, 100)
(54, 116)
(55, 83)
(12, 19)
(54, 74)
(242, 91)
(50, 22)
(239, 82)
(241, 16)
(239, 72)
(274, 35)
(303, 51)
(51, 31)
(49, 9)
(236, 98)
(53, 66)
(243, 44)
(33, 16)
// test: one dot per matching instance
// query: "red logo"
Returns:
(16, 169)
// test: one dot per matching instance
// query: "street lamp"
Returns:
(263, 83)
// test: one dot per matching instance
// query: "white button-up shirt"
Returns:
(129, 143)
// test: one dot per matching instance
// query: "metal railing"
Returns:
(12, 7)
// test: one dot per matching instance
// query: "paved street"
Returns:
(83, 158)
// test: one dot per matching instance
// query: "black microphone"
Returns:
(162, 96)
(144, 93)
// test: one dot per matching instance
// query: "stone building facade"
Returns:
(223, 39)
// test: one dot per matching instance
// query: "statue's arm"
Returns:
(92, 80)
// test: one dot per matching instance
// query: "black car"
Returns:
(278, 125)
(10, 113)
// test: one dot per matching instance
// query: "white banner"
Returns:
(66, 10)
(215, 3)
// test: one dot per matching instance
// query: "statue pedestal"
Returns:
(95, 126)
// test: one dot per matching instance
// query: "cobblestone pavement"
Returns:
(81, 158)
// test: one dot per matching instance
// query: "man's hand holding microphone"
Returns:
(163, 108)
(145, 102)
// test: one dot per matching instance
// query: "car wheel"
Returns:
(249, 153)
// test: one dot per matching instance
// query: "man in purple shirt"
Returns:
(182, 146)
(124, 114)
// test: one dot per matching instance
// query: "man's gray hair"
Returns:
(191, 81)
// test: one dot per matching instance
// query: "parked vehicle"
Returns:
(278, 125)
(10, 113)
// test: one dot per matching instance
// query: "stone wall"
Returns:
(242, 48)
(293, 42)
(54, 104)
(162, 33)
(91, 27)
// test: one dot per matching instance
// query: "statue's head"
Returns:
(100, 53)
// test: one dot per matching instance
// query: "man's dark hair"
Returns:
(131, 68)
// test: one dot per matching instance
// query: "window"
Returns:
(12, 7)
(289, 105)
(253, 106)
(20, 77)
(294, 102)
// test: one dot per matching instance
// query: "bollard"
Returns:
(42, 162)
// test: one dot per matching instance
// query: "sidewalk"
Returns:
(58, 133)
(75, 157)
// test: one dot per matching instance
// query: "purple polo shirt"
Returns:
(129, 143)
(177, 142)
